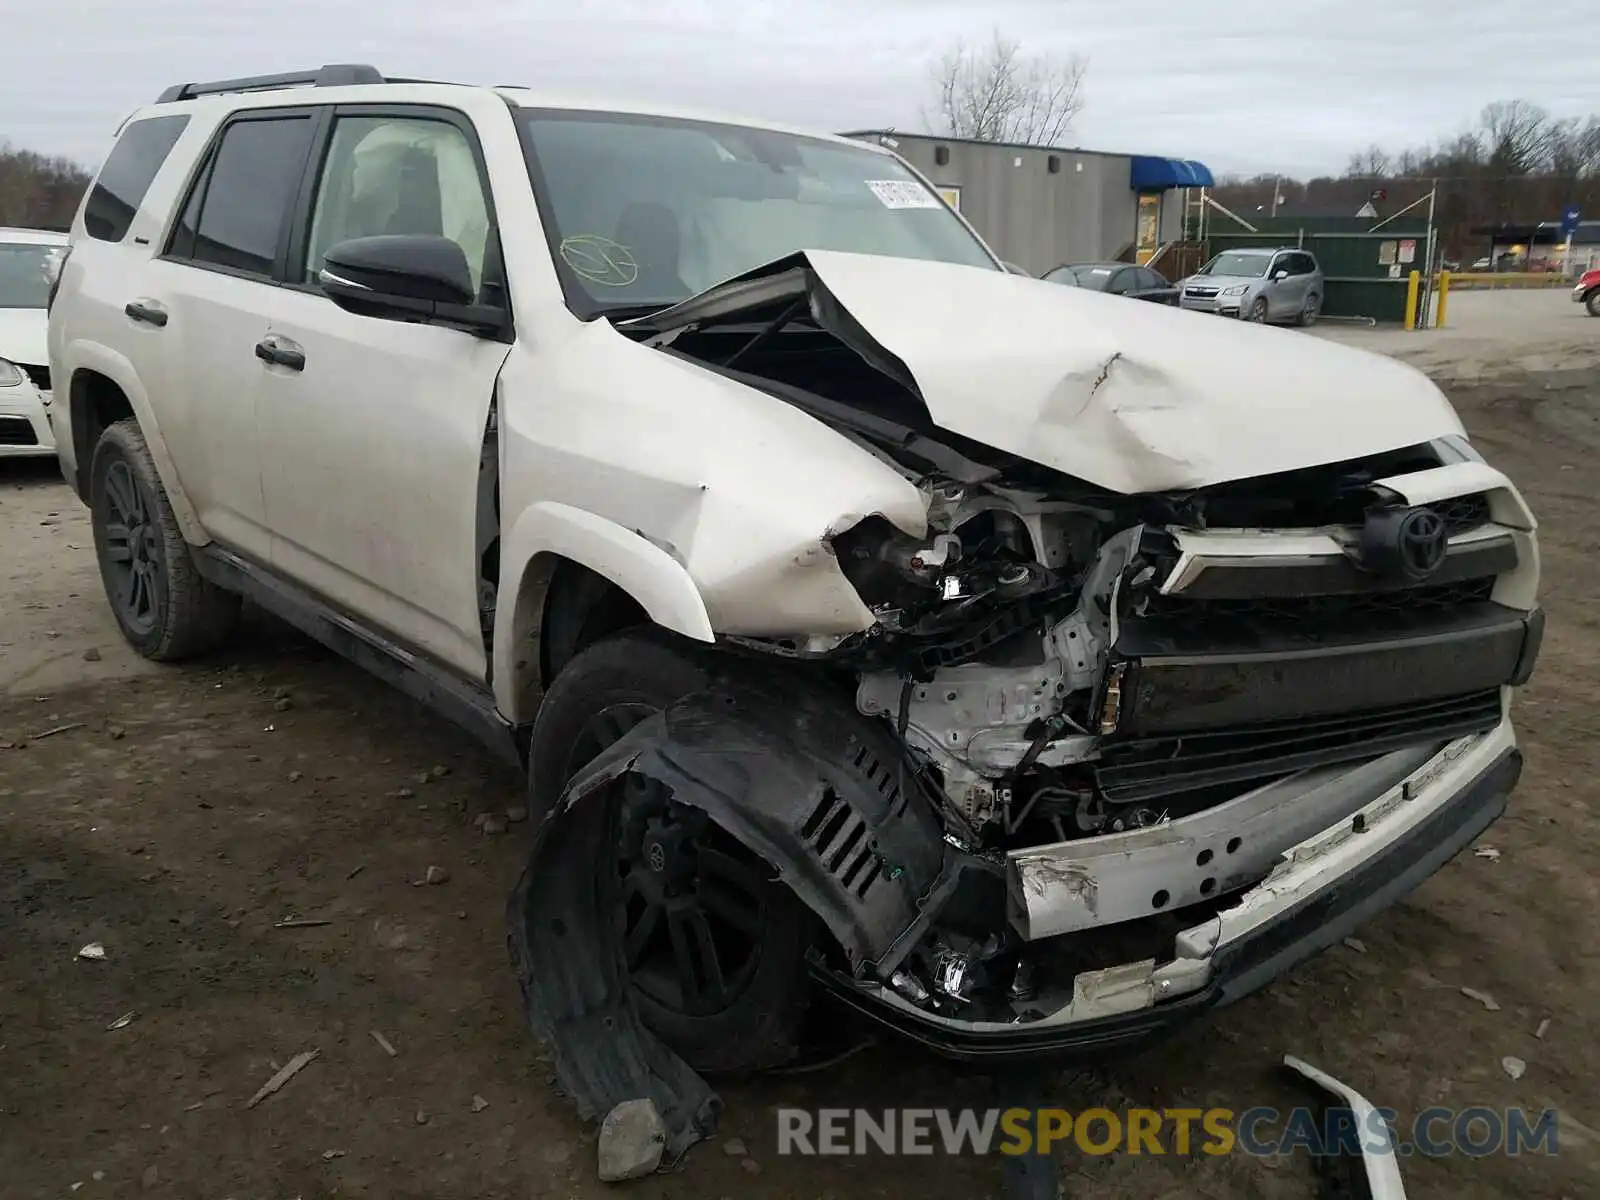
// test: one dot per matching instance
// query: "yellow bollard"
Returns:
(1411, 299)
(1444, 298)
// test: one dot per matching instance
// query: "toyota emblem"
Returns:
(1422, 542)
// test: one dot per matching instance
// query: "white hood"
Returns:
(23, 336)
(1132, 397)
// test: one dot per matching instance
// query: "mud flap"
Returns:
(810, 787)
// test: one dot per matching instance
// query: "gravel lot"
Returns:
(180, 814)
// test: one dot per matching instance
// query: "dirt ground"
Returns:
(180, 814)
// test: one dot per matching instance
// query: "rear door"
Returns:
(371, 436)
(209, 298)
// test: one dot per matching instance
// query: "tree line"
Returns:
(1517, 166)
(38, 191)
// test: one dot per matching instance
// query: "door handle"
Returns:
(281, 352)
(147, 312)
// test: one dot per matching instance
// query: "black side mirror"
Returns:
(414, 277)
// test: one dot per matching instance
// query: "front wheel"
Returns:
(165, 608)
(715, 948)
(1258, 311)
(1592, 302)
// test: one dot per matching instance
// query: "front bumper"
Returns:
(1322, 889)
(1581, 292)
(25, 429)
(1224, 306)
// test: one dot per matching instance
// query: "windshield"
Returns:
(1252, 265)
(1093, 278)
(645, 211)
(26, 272)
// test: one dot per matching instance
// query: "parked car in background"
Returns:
(1258, 285)
(1119, 279)
(29, 260)
(1587, 292)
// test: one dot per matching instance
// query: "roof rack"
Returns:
(333, 75)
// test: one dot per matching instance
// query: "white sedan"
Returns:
(29, 261)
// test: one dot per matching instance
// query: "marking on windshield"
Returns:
(599, 260)
(903, 193)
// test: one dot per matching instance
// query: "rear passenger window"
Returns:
(239, 210)
(129, 170)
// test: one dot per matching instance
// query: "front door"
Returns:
(1147, 239)
(372, 431)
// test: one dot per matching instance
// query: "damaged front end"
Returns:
(1104, 759)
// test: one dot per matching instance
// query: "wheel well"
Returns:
(580, 608)
(96, 403)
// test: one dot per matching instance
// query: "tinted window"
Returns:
(1149, 279)
(1123, 282)
(1307, 264)
(126, 177)
(248, 192)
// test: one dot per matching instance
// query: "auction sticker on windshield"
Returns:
(902, 193)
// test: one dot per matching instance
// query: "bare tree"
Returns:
(996, 93)
(1519, 135)
(1371, 163)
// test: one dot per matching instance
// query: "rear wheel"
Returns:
(715, 948)
(165, 608)
(1312, 310)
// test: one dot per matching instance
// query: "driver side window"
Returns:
(399, 175)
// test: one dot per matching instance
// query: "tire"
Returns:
(166, 610)
(1309, 314)
(1258, 311)
(603, 690)
(1592, 302)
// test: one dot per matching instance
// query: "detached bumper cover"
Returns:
(1324, 888)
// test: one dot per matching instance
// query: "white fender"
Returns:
(656, 580)
(93, 356)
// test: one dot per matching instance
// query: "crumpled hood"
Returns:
(1131, 397)
(23, 336)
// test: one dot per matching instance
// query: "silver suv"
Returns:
(1277, 286)
(1010, 664)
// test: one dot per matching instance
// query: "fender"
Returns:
(92, 356)
(809, 786)
(660, 584)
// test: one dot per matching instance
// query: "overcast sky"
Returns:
(1242, 85)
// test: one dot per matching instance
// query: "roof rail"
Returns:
(333, 75)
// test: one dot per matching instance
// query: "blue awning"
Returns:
(1152, 174)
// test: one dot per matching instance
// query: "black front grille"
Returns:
(1142, 770)
(1177, 612)
(39, 375)
(1462, 514)
(17, 431)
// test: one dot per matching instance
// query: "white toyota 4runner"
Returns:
(1027, 670)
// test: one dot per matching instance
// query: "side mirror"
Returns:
(414, 277)
(1279, 273)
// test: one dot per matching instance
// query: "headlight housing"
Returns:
(10, 373)
(1237, 289)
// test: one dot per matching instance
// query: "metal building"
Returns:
(1041, 206)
